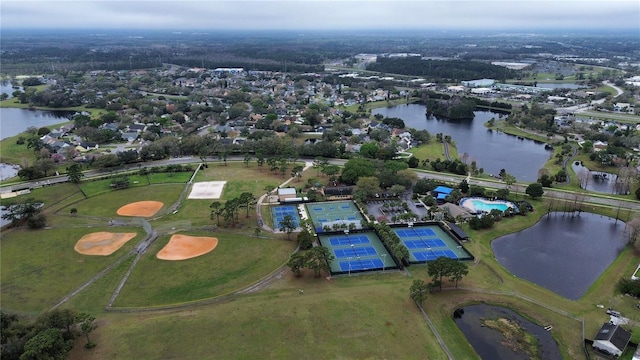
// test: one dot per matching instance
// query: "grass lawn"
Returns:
(96, 187)
(238, 260)
(367, 317)
(106, 204)
(241, 178)
(39, 267)
(432, 151)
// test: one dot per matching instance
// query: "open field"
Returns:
(433, 150)
(39, 267)
(106, 205)
(235, 262)
(368, 317)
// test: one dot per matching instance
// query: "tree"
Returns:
(318, 259)
(297, 171)
(356, 168)
(305, 240)
(418, 291)
(23, 211)
(46, 345)
(296, 262)
(247, 159)
(535, 190)
(216, 210)
(75, 173)
(439, 268)
(247, 200)
(287, 225)
(87, 326)
(458, 270)
(368, 185)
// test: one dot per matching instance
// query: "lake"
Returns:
(491, 150)
(13, 121)
(488, 342)
(563, 252)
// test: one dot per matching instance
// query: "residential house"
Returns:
(612, 339)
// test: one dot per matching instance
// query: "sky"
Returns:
(321, 14)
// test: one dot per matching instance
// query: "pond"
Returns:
(597, 181)
(563, 252)
(491, 150)
(499, 333)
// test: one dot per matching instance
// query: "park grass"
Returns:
(241, 178)
(236, 261)
(366, 317)
(95, 187)
(39, 267)
(432, 151)
(108, 203)
(13, 153)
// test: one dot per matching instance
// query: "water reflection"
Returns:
(492, 150)
(563, 252)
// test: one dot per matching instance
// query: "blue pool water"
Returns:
(483, 206)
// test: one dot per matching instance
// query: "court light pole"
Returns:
(384, 256)
(349, 259)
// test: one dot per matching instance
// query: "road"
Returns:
(445, 177)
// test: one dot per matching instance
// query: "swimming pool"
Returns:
(477, 205)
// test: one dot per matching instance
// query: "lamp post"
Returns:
(383, 259)
(349, 259)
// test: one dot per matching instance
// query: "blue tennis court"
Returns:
(348, 240)
(361, 264)
(432, 255)
(410, 232)
(421, 244)
(355, 252)
(279, 212)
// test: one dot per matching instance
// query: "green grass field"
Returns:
(237, 261)
(39, 267)
(106, 204)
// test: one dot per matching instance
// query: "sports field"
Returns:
(427, 243)
(334, 212)
(356, 252)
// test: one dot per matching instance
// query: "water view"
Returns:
(499, 333)
(574, 250)
(491, 150)
(13, 121)
(597, 181)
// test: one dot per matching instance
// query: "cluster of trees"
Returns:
(629, 286)
(438, 269)
(317, 258)
(230, 210)
(25, 211)
(454, 108)
(49, 336)
(388, 173)
(453, 166)
(393, 243)
(441, 70)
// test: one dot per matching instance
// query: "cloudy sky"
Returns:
(321, 14)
